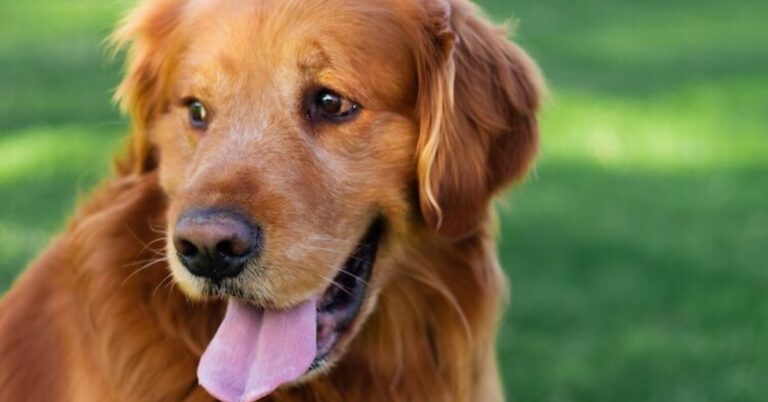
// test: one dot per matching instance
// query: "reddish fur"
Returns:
(97, 316)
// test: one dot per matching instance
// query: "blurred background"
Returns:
(637, 249)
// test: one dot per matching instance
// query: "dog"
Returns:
(303, 211)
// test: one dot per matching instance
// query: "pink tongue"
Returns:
(255, 351)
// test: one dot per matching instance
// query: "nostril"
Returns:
(186, 248)
(235, 247)
(226, 248)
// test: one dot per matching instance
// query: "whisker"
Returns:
(167, 277)
(142, 261)
(355, 276)
(161, 230)
(144, 267)
(146, 246)
(358, 259)
(335, 284)
(335, 251)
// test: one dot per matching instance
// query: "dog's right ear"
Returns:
(149, 34)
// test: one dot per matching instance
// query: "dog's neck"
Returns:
(420, 338)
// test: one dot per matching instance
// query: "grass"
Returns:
(637, 249)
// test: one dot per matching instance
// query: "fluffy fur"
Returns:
(448, 120)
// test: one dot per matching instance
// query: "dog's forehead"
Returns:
(350, 44)
(367, 25)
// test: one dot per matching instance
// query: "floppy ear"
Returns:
(478, 98)
(148, 32)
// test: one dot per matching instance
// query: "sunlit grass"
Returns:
(45, 152)
(701, 127)
(636, 285)
(51, 24)
(43, 170)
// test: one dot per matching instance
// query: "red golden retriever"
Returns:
(303, 213)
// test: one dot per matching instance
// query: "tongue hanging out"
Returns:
(255, 351)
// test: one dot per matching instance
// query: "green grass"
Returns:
(637, 250)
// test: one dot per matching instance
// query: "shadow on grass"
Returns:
(43, 89)
(637, 287)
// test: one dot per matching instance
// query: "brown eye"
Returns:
(329, 102)
(198, 114)
(325, 104)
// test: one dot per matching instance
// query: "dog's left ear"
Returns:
(478, 98)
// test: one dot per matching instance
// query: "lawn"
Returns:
(638, 248)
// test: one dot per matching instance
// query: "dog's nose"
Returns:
(215, 243)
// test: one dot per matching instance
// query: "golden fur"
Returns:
(448, 120)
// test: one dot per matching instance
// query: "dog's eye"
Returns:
(198, 114)
(325, 104)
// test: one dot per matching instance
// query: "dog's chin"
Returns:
(338, 306)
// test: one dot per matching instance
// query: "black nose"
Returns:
(215, 243)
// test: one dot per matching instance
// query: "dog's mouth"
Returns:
(339, 306)
(255, 351)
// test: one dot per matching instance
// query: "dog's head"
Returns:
(300, 141)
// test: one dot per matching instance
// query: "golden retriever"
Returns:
(303, 213)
